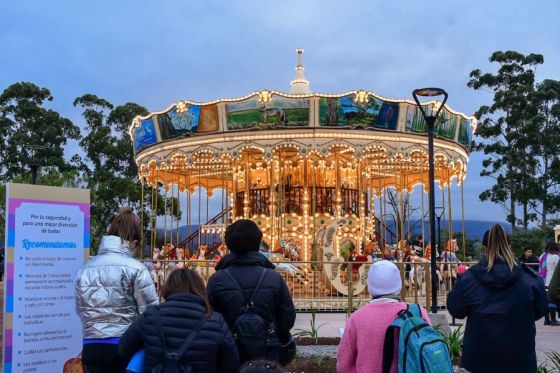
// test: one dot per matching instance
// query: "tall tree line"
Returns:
(519, 134)
(106, 165)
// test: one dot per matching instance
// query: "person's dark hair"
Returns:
(126, 225)
(243, 236)
(186, 280)
(260, 366)
(551, 248)
(527, 249)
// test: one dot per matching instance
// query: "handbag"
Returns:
(136, 364)
(287, 352)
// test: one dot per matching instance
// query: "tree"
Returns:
(110, 167)
(23, 122)
(402, 210)
(545, 130)
(503, 127)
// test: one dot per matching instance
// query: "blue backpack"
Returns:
(420, 347)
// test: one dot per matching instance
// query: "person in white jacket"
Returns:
(112, 289)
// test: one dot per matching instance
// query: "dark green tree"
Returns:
(503, 128)
(24, 122)
(545, 133)
(109, 166)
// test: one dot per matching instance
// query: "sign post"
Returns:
(47, 241)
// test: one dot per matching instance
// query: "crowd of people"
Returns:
(241, 321)
(244, 315)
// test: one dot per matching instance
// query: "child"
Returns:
(361, 347)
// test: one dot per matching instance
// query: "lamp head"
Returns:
(430, 92)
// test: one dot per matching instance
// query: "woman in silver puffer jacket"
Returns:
(111, 290)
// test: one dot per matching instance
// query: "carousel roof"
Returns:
(270, 110)
(313, 122)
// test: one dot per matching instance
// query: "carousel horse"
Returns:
(170, 255)
(201, 258)
(290, 249)
(180, 257)
(448, 266)
(157, 268)
(332, 264)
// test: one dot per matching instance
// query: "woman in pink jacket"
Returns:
(361, 347)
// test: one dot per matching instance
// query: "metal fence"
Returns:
(312, 290)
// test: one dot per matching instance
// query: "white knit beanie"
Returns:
(384, 278)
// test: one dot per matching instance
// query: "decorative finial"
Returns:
(299, 64)
(299, 86)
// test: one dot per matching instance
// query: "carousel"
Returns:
(312, 170)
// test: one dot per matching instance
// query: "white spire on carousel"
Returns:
(299, 86)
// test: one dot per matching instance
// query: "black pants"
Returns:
(102, 358)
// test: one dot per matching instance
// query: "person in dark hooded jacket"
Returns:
(165, 328)
(245, 264)
(501, 300)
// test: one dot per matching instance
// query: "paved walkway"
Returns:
(548, 337)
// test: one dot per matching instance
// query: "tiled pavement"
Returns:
(548, 337)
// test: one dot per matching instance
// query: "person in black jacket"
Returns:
(272, 301)
(186, 306)
(501, 300)
(529, 258)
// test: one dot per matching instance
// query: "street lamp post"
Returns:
(430, 122)
(34, 160)
(439, 215)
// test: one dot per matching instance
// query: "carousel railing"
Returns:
(188, 242)
(311, 289)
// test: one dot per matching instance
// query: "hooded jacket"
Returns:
(272, 302)
(112, 289)
(213, 349)
(501, 307)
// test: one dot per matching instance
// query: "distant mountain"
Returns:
(473, 228)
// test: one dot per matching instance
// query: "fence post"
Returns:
(313, 286)
(414, 282)
(403, 283)
(428, 284)
(350, 290)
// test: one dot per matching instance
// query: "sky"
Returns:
(157, 52)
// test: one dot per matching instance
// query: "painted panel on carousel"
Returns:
(346, 111)
(446, 125)
(209, 119)
(465, 132)
(144, 134)
(179, 121)
(415, 122)
(278, 112)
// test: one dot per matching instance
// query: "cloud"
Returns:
(156, 53)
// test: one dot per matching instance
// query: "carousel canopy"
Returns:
(387, 135)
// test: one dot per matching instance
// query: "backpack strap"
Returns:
(160, 326)
(184, 347)
(259, 282)
(414, 310)
(388, 348)
(248, 301)
(181, 351)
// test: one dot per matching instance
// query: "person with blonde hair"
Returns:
(501, 300)
(112, 289)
